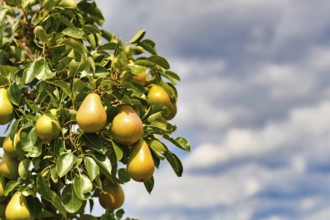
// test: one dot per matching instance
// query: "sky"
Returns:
(254, 102)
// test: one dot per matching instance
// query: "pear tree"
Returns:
(84, 111)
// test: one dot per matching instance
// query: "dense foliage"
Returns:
(54, 54)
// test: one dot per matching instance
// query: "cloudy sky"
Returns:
(254, 101)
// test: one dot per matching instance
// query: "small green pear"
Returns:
(9, 167)
(126, 126)
(47, 128)
(17, 208)
(9, 146)
(91, 116)
(6, 108)
(141, 165)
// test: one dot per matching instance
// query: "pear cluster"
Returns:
(47, 128)
(126, 128)
(16, 207)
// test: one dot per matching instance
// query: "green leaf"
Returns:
(10, 186)
(82, 186)
(14, 94)
(3, 13)
(160, 124)
(118, 150)
(65, 163)
(149, 184)
(23, 168)
(70, 200)
(107, 35)
(38, 69)
(7, 70)
(172, 76)
(120, 213)
(137, 69)
(159, 60)
(149, 46)
(50, 4)
(77, 86)
(174, 162)
(41, 34)
(91, 28)
(74, 33)
(180, 142)
(64, 86)
(146, 63)
(34, 205)
(94, 142)
(43, 186)
(92, 168)
(104, 163)
(77, 46)
(137, 89)
(123, 175)
(138, 36)
(71, 4)
(158, 148)
(29, 138)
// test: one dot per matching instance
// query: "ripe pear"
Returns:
(140, 165)
(113, 197)
(10, 147)
(158, 95)
(47, 128)
(17, 208)
(91, 116)
(9, 167)
(6, 108)
(2, 188)
(141, 78)
(126, 126)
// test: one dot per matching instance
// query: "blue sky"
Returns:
(254, 101)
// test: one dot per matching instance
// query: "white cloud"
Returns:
(281, 81)
(311, 123)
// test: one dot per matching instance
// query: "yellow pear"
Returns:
(6, 108)
(9, 167)
(113, 196)
(2, 188)
(140, 166)
(91, 116)
(158, 95)
(10, 147)
(141, 78)
(126, 127)
(17, 208)
(47, 128)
